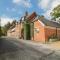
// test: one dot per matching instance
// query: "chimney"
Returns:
(26, 13)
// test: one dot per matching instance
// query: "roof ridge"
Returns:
(50, 23)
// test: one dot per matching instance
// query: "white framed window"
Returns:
(36, 30)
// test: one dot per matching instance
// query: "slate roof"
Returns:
(50, 23)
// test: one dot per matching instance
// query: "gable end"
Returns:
(41, 23)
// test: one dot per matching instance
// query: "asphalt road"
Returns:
(11, 49)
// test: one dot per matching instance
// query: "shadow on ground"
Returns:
(6, 46)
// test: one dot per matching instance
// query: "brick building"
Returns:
(15, 31)
(45, 29)
(40, 28)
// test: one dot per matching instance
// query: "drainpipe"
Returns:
(56, 31)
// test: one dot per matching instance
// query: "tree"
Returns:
(5, 28)
(8, 25)
(0, 29)
(55, 12)
(41, 17)
(13, 23)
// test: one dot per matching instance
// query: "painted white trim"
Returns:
(41, 23)
(13, 29)
(50, 27)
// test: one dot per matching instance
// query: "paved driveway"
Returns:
(12, 49)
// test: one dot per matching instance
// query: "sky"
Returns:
(14, 9)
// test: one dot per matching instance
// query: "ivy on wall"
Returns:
(27, 34)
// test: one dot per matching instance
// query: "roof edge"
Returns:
(41, 22)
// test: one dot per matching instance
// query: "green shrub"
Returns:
(53, 38)
(0, 32)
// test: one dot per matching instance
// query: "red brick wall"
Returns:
(8, 33)
(43, 35)
(49, 31)
(58, 33)
(44, 32)
(40, 36)
(13, 34)
(16, 33)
